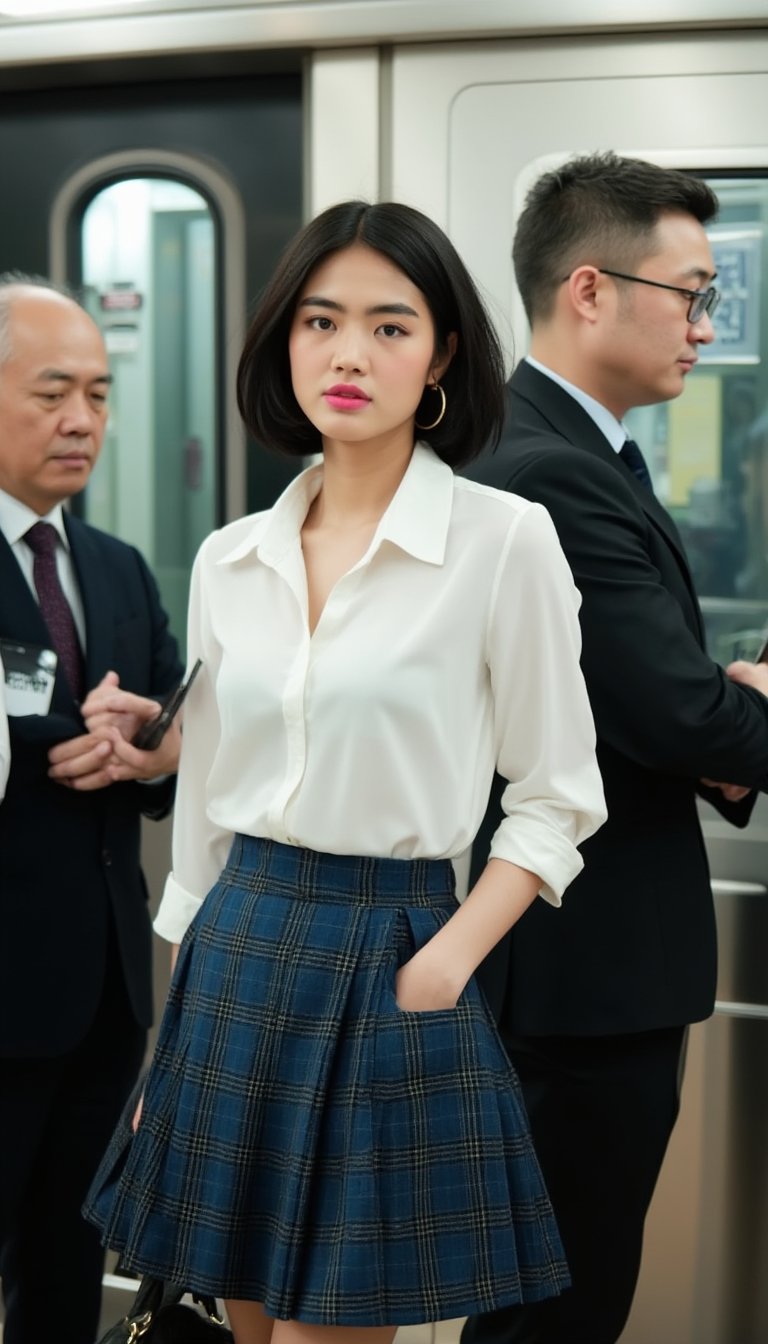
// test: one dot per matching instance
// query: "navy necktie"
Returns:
(634, 459)
(42, 539)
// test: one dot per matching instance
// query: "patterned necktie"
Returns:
(42, 539)
(636, 462)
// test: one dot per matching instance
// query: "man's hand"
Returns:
(749, 674)
(82, 762)
(104, 755)
(106, 706)
(733, 793)
(746, 674)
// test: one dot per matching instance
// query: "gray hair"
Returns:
(10, 281)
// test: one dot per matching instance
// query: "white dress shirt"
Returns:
(451, 647)
(16, 519)
(614, 430)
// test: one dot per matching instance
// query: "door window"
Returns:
(149, 275)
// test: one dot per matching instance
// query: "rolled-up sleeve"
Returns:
(200, 847)
(543, 727)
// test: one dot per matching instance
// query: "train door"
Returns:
(496, 116)
(169, 202)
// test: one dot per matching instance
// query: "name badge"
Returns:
(30, 672)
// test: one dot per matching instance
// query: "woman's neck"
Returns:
(358, 484)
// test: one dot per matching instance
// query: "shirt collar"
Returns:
(614, 431)
(418, 516)
(416, 519)
(17, 518)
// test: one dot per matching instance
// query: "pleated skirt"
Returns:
(307, 1144)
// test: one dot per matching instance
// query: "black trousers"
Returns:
(601, 1111)
(56, 1117)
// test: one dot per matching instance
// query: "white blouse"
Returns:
(451, 647)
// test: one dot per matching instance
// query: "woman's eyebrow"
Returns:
(400, 309)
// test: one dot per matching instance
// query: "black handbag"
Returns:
(158, 1316)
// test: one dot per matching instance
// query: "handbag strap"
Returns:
(162, 1295)
(209, 1305)
(138, 1326)
(152, 1295)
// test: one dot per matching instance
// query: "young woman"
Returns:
(332, 1137)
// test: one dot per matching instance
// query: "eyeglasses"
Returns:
(701, 300)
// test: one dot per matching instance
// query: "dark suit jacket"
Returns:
(68, 858)
(633, 947)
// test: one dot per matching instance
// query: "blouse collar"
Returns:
(416, 519)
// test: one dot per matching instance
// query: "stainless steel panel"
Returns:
(731, 1297)
(731, 1283)
(705, 1267)
(742, 931)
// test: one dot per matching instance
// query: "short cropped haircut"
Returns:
(598, 210)
(10, 281)
(474, 380)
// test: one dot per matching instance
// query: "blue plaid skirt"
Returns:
(307, 1144)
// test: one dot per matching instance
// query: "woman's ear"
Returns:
(441, 364)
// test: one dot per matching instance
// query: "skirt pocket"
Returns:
(466, 1222)
(410, 930)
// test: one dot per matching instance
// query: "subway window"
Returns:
(708, 450)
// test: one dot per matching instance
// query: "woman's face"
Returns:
(362, 349)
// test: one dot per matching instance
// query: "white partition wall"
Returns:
(463, 129)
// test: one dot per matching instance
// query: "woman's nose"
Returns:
(350, 353)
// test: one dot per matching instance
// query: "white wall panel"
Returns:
(494, 117)
(342, 127)
(94, 29)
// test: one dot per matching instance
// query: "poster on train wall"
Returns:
(694, 450)
(736, 250)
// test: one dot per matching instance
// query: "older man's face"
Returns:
(53, 399)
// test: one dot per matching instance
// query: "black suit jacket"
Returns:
(68, 858)
(633, 947)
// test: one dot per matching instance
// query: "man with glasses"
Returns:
(615, 271)
(700, 301)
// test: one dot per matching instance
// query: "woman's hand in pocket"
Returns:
(423, 987)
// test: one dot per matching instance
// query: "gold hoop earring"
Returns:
(434, 387)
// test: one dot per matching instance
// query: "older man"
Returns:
(75, 975)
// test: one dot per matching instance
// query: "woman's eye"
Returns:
(321, 323)
(390, 329)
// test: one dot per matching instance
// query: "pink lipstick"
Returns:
(346, 397)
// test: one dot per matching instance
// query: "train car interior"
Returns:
(158, 154)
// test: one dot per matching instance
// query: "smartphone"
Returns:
(151, 733)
